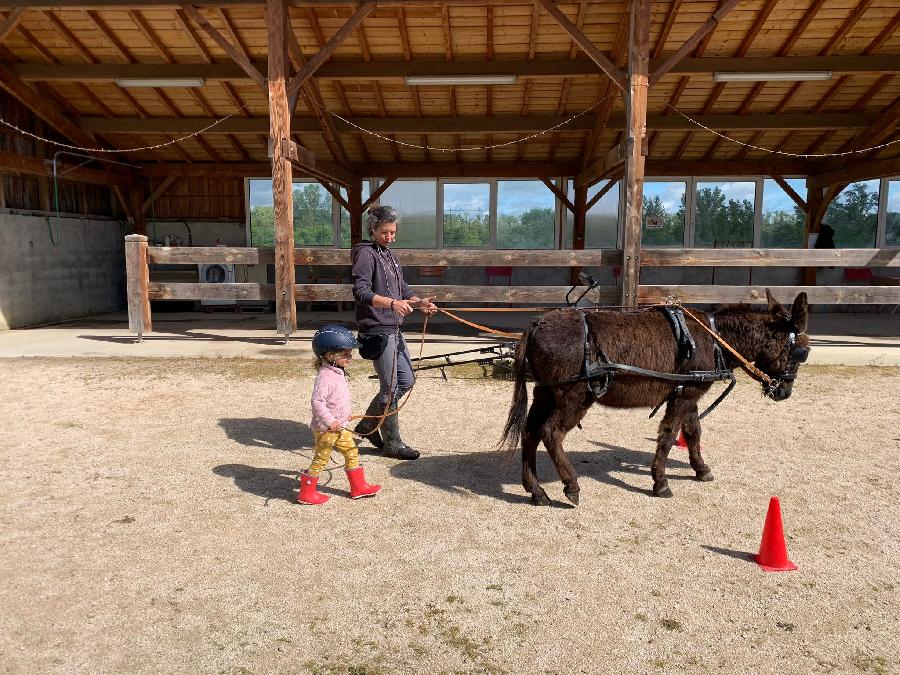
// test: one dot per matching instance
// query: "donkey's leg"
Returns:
(691, 429)
(665, 438)
(564, 418)
(541, 409)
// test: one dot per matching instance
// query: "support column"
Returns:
(282, 183)
(635, 129)
(354, 198)
(815, 212)
(578, 225)
(136, 208)
(137, 280)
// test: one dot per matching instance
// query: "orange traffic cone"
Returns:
(681, 442)
(772, 556)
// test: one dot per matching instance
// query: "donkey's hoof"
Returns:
(540, 500)
(573, 496)
(664, 491)
(705, 477)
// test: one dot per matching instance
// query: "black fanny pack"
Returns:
(372, 346)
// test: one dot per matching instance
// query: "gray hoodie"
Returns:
(376, 271)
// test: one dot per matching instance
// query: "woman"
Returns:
(382, 300)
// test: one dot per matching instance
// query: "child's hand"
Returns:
(335, 426)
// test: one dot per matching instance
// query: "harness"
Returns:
(599, 374)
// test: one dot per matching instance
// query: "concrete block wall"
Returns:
(41, 282)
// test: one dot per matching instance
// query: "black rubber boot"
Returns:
(393, 444)
(365, 426)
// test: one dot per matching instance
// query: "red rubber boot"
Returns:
(358, 485)
(308, 493)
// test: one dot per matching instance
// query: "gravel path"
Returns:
(147, 524)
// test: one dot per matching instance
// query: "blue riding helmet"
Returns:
(332, 338)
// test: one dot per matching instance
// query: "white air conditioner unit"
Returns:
(217, 273)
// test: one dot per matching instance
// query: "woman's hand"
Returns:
(401, 307)
(427, 306)
(335, 426)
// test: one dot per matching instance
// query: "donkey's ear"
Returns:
(774, 306)
(800, 313)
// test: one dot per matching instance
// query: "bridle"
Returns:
(797, 354)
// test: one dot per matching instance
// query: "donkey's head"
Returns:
(785, 345)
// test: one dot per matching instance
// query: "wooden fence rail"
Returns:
(141, 291)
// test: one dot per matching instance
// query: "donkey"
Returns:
(555, 348)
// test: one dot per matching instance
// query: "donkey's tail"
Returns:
(515, 422)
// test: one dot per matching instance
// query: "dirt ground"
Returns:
(148, 524)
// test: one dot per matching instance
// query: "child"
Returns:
(333, 346)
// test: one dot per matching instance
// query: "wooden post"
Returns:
(282, 182)
(354, 197)
(136, 210)
(578, 224)
(635, 129)
(815, 211)
(137, 278)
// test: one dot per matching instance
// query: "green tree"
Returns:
(854, 215)
(783, 229)
(672, 230)
(722, 219)
(532, 229)
(312, 216)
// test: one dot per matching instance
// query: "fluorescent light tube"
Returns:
(162, 82)
(787, 76)
(461, 80)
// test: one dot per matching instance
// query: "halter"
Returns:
(796, 356)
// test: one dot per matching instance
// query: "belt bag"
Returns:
(372, 346)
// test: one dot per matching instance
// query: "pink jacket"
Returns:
(330, 398)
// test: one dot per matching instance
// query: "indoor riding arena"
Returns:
(656, 397)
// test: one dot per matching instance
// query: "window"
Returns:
(783, 222)
(601, 224)
(314, 214)
(724, 213)
(892, 221)
(526, 215)
(662, 222)
(262, 214)
(854, 215)
(467, 215)
(416, 202)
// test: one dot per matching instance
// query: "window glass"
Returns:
(345, 215)
(312, 214)
(262, 214)
(415, 201)
(724, 214)
(854, 214)
(526, 215)
(467, 214)
(783, 222)
(601, 225)
(892, 227)
(662, 221)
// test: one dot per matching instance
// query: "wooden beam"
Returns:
(819, 295)
(864, 170)
(636, 130)
(704, 30)
(285, 306)
(598, 57)
(798, 200)
(336, 193)
(375, 195)
(160, 190)
(236, 55)
(13, 162)
(322, 55)
(47, 112)
(560, 195)
(363, 71)
(137, 278)
(513, 124)
(606, 188)
(467, 169)
(770, 257)
(11, 21)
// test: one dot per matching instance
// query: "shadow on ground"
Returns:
(497, 475)
(265, 432)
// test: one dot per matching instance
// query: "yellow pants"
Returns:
(326, 441)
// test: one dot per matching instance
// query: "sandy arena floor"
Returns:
(148, 524)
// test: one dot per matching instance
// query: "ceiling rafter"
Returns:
(445, 24)
(845, 28)
(141, 22)
(883, 36)
(109, 34)
(192, 35)
(69, 36)
(234, 49)
(11, 21)
(666, 29)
